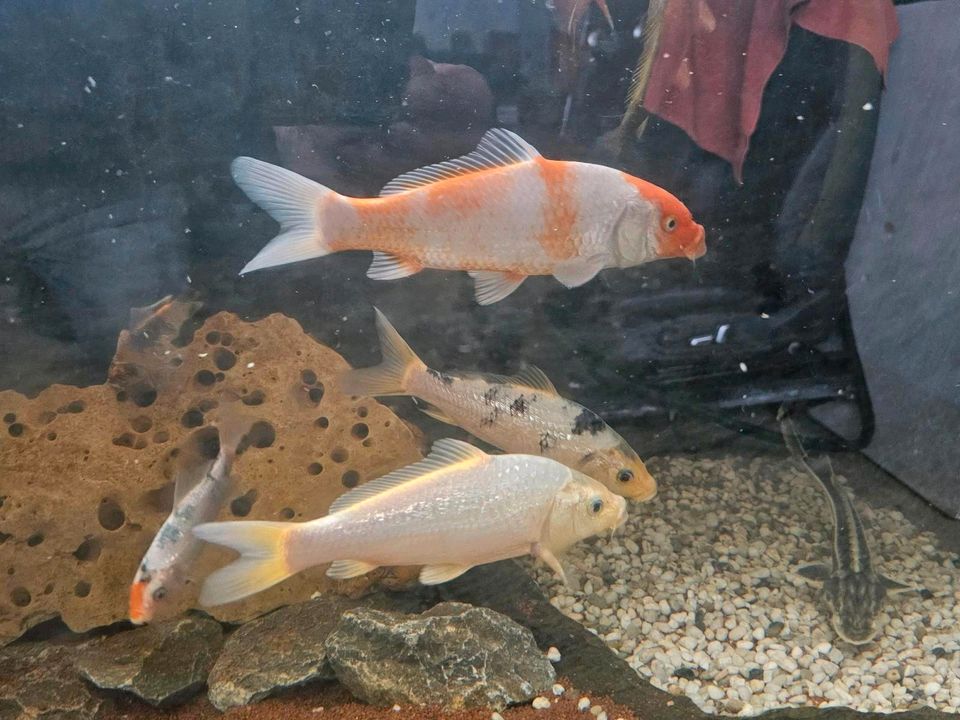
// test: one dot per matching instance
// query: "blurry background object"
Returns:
(903, 271)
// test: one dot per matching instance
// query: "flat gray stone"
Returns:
(163, 664)
(38, 682)
(282, 650)
(454, 655)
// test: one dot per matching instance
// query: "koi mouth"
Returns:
(698, 247)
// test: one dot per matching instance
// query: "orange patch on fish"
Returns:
(559, 212)
(384, 225)
(136, 601)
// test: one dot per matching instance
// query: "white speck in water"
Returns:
(91, 82)
(868, 106)
(328, 33)
(166, 352)
(296, 20)
(186, 231)
(743, 367)
(800, 118)
(19, 125)
(202, 355)
(765, 316)
(168, 78)
(189, 280)
(250, 365)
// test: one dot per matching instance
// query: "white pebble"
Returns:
(931, 688)
(496, 716)
(540, 703)
(553, 655)
(558, 689)
(583, 704)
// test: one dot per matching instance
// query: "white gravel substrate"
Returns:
(699, 596)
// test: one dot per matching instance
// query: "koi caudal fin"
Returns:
(390, 377)
(262, 562)
(292, 200)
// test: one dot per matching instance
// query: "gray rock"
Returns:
(163, 664)
(454, 655)
(38, 682)
(281, 650)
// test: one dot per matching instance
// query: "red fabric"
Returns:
(715, 57)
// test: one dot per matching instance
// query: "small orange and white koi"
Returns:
(502, 213)
(201, 486)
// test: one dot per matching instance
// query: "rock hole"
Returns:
(322, 422)
(221, 377)
(159, 499)
(143, 394)
(88, 550)
(51, 435)
(192, 418)
(255, 398)
(309, 377)
(205, 377)
(110, 515)
(224, 359)
(176, 361)
(207, 404)
(4, 537)
(141, 423)
(121, 396)
(287, 513)
(20, 596)
(339, 455)
(367, 443)
(77, 406)
(47, 417)
(81, 589)
(316, 394)
(207, 442)
(315, 468)
(213, 337)
(241, 506)
(226, 339)
(362, 411)
(139, 444)
(48, 588)
(261, 434)
(161, 437)
(360, 431)
(350, 478)
(10, 418)
(386, 423)
(35, 539)
(124, 440)
(16, 430)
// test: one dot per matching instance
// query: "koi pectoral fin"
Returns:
(543, 553)
(576, 272)
(346, 569)
(492, 286)
(391, 267)
(817, 572)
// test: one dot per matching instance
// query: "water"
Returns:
(826, 289)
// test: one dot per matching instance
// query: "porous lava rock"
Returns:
(454, 655)
(163, 664)
(276, 652)
(38, 682)
(85, 473)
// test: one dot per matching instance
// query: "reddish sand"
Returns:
(332, 702)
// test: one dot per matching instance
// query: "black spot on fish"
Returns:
(587, 421)
(546, 442)
(492, 418)
(442, 377)
(490, 396)
(519, 406)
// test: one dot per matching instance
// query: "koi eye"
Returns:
(670, 223)
(159, 594)
(596, 506)
(625, 475)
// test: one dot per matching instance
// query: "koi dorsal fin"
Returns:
(497, 148)
(443, 454)
(534, 377)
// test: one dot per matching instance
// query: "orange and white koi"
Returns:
(201, 486)
(501, 213)
(455, 509)
(522, 414)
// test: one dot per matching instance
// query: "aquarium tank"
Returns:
(479, 359)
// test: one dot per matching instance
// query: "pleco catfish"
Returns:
(201, 487)
(455, 509)
(502, 213)
(521, 414)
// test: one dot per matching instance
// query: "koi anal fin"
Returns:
(493, 286)
(893, 587)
